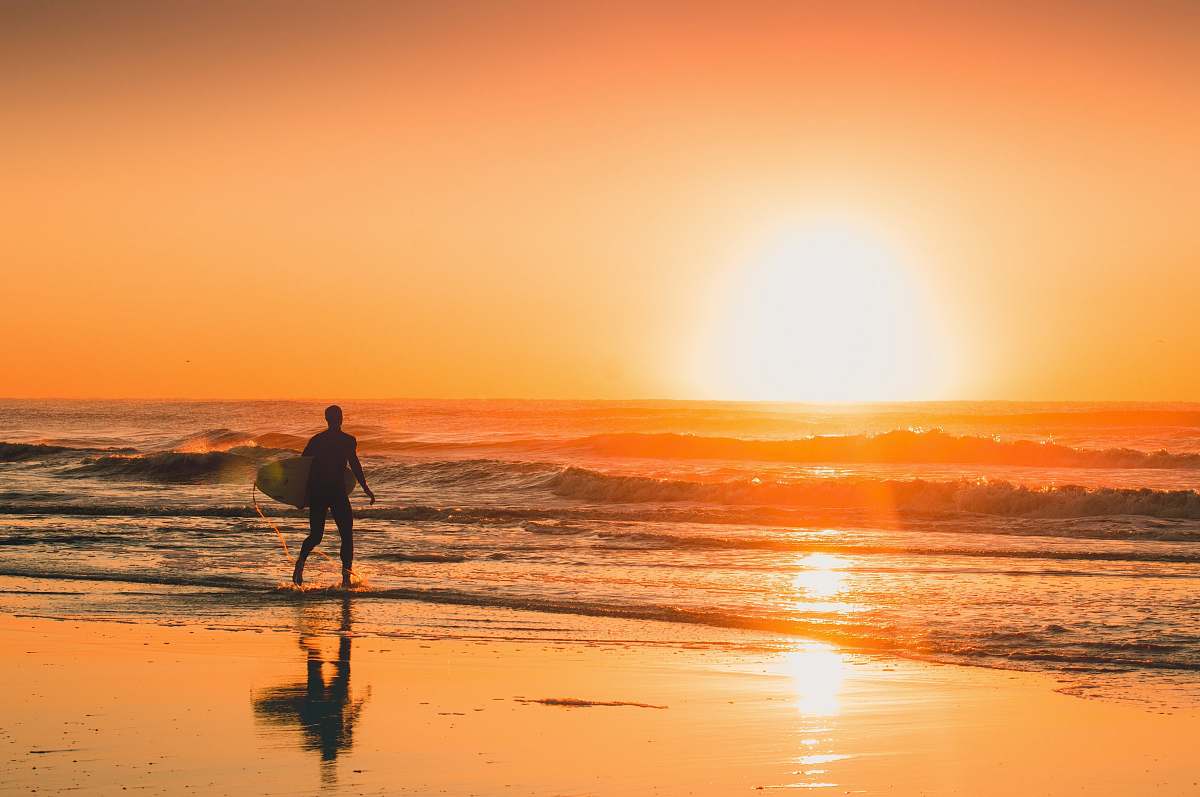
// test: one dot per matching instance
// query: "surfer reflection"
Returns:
(322, 709)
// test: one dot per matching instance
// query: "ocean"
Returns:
(1033, 536)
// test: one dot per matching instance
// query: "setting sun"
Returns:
(822, 311)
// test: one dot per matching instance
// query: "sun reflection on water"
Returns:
(818, 672)
(821, 576)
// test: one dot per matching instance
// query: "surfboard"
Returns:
(286, 480)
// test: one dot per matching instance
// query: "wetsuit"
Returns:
(332, 451)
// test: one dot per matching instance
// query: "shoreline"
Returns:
(178, 703)
(446, 616)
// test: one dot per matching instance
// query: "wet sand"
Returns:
(105, 706)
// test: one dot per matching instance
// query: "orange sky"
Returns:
(743, 200)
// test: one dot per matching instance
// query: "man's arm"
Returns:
(308, 447)
(356, 469)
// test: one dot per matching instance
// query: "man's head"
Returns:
(333, 415)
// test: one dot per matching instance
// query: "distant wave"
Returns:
(1117, 417)
(884, 496)
(206, 442)
(20, 452)
(900, 446)
(227, 439)
(166, 467)
(895, 447)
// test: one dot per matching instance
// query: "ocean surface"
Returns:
(1054, 537)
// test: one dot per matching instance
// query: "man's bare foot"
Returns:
(298, 575)
(347, 578)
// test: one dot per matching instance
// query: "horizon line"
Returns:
(627, 400)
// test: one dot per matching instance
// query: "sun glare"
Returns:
(820, 576)
(823, 312)
(818, 672)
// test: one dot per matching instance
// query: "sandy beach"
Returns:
(304, 703)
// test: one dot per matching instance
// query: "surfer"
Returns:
(332, 450)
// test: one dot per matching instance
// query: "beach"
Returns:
(508, 704)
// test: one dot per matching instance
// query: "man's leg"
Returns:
(316, 530)
(345, 523)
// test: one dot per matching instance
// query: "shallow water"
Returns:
(1048, 537)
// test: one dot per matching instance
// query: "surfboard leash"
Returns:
(279, 534)
(269, 522)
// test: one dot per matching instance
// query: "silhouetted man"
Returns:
(332, 450)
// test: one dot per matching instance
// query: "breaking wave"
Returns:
(212, 440)
(475, 473)
(496, 489)
(885, 496)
